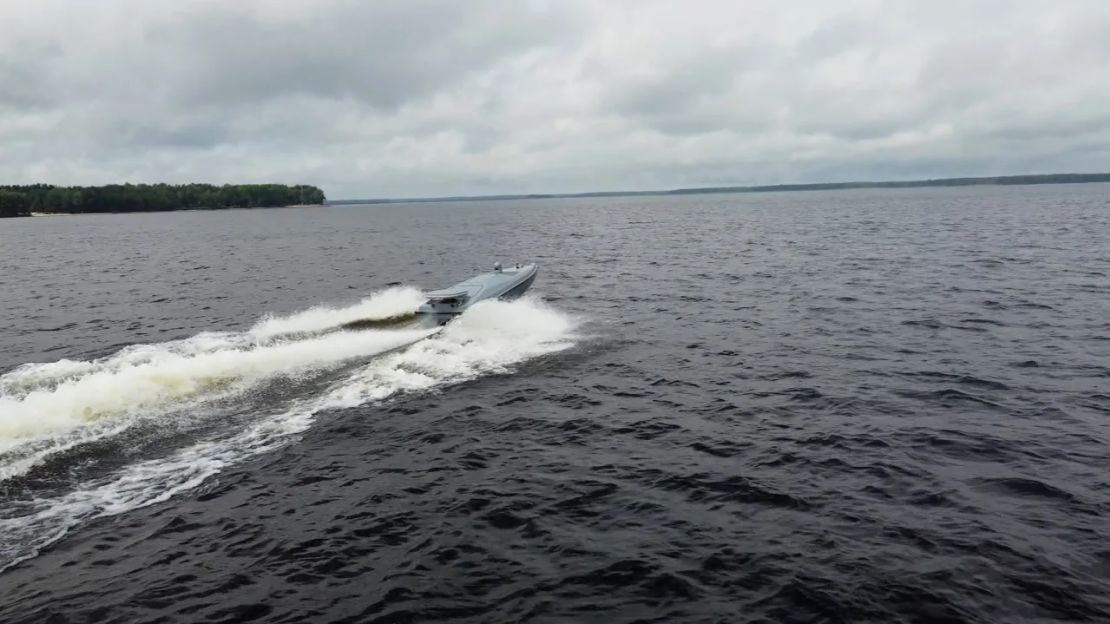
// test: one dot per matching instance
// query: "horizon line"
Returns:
(1006, 180)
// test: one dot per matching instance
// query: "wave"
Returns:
(387, 304)
(488, 339)
(46, 410)
(67, 401)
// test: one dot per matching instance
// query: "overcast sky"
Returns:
(413, 98)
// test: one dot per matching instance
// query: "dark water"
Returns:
(867, 406)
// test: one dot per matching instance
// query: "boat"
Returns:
(501, 283)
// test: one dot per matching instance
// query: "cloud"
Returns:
(433, 97)
(384, 55)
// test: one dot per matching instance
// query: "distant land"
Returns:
(20, 201)
(1051, 178)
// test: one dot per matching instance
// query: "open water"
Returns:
(852, 406)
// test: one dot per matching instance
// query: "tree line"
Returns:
(18, 201)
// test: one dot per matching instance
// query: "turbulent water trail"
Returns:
(382, 305)
(489, 338)
(47, 410)
(44, 407)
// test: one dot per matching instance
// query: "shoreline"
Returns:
(1012, 180)
(206, 209)
(42, 200)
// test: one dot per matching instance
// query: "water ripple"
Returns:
(862, 406)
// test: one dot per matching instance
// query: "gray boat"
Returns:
(501, 283)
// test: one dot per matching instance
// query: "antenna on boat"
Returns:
(497, 266)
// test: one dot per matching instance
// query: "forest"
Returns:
(16, 201)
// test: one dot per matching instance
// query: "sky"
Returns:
(428, 98)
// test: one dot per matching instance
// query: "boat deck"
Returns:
(492, 284)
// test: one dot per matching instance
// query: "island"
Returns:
(19, 201)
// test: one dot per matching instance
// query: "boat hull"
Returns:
(519, 289)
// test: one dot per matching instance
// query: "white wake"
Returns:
(49, 406)
(47, 409)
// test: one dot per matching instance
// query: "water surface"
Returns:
(873, 405)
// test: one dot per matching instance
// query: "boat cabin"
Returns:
(446, 303)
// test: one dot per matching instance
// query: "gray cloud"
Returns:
(436, 97)
(384, 54)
